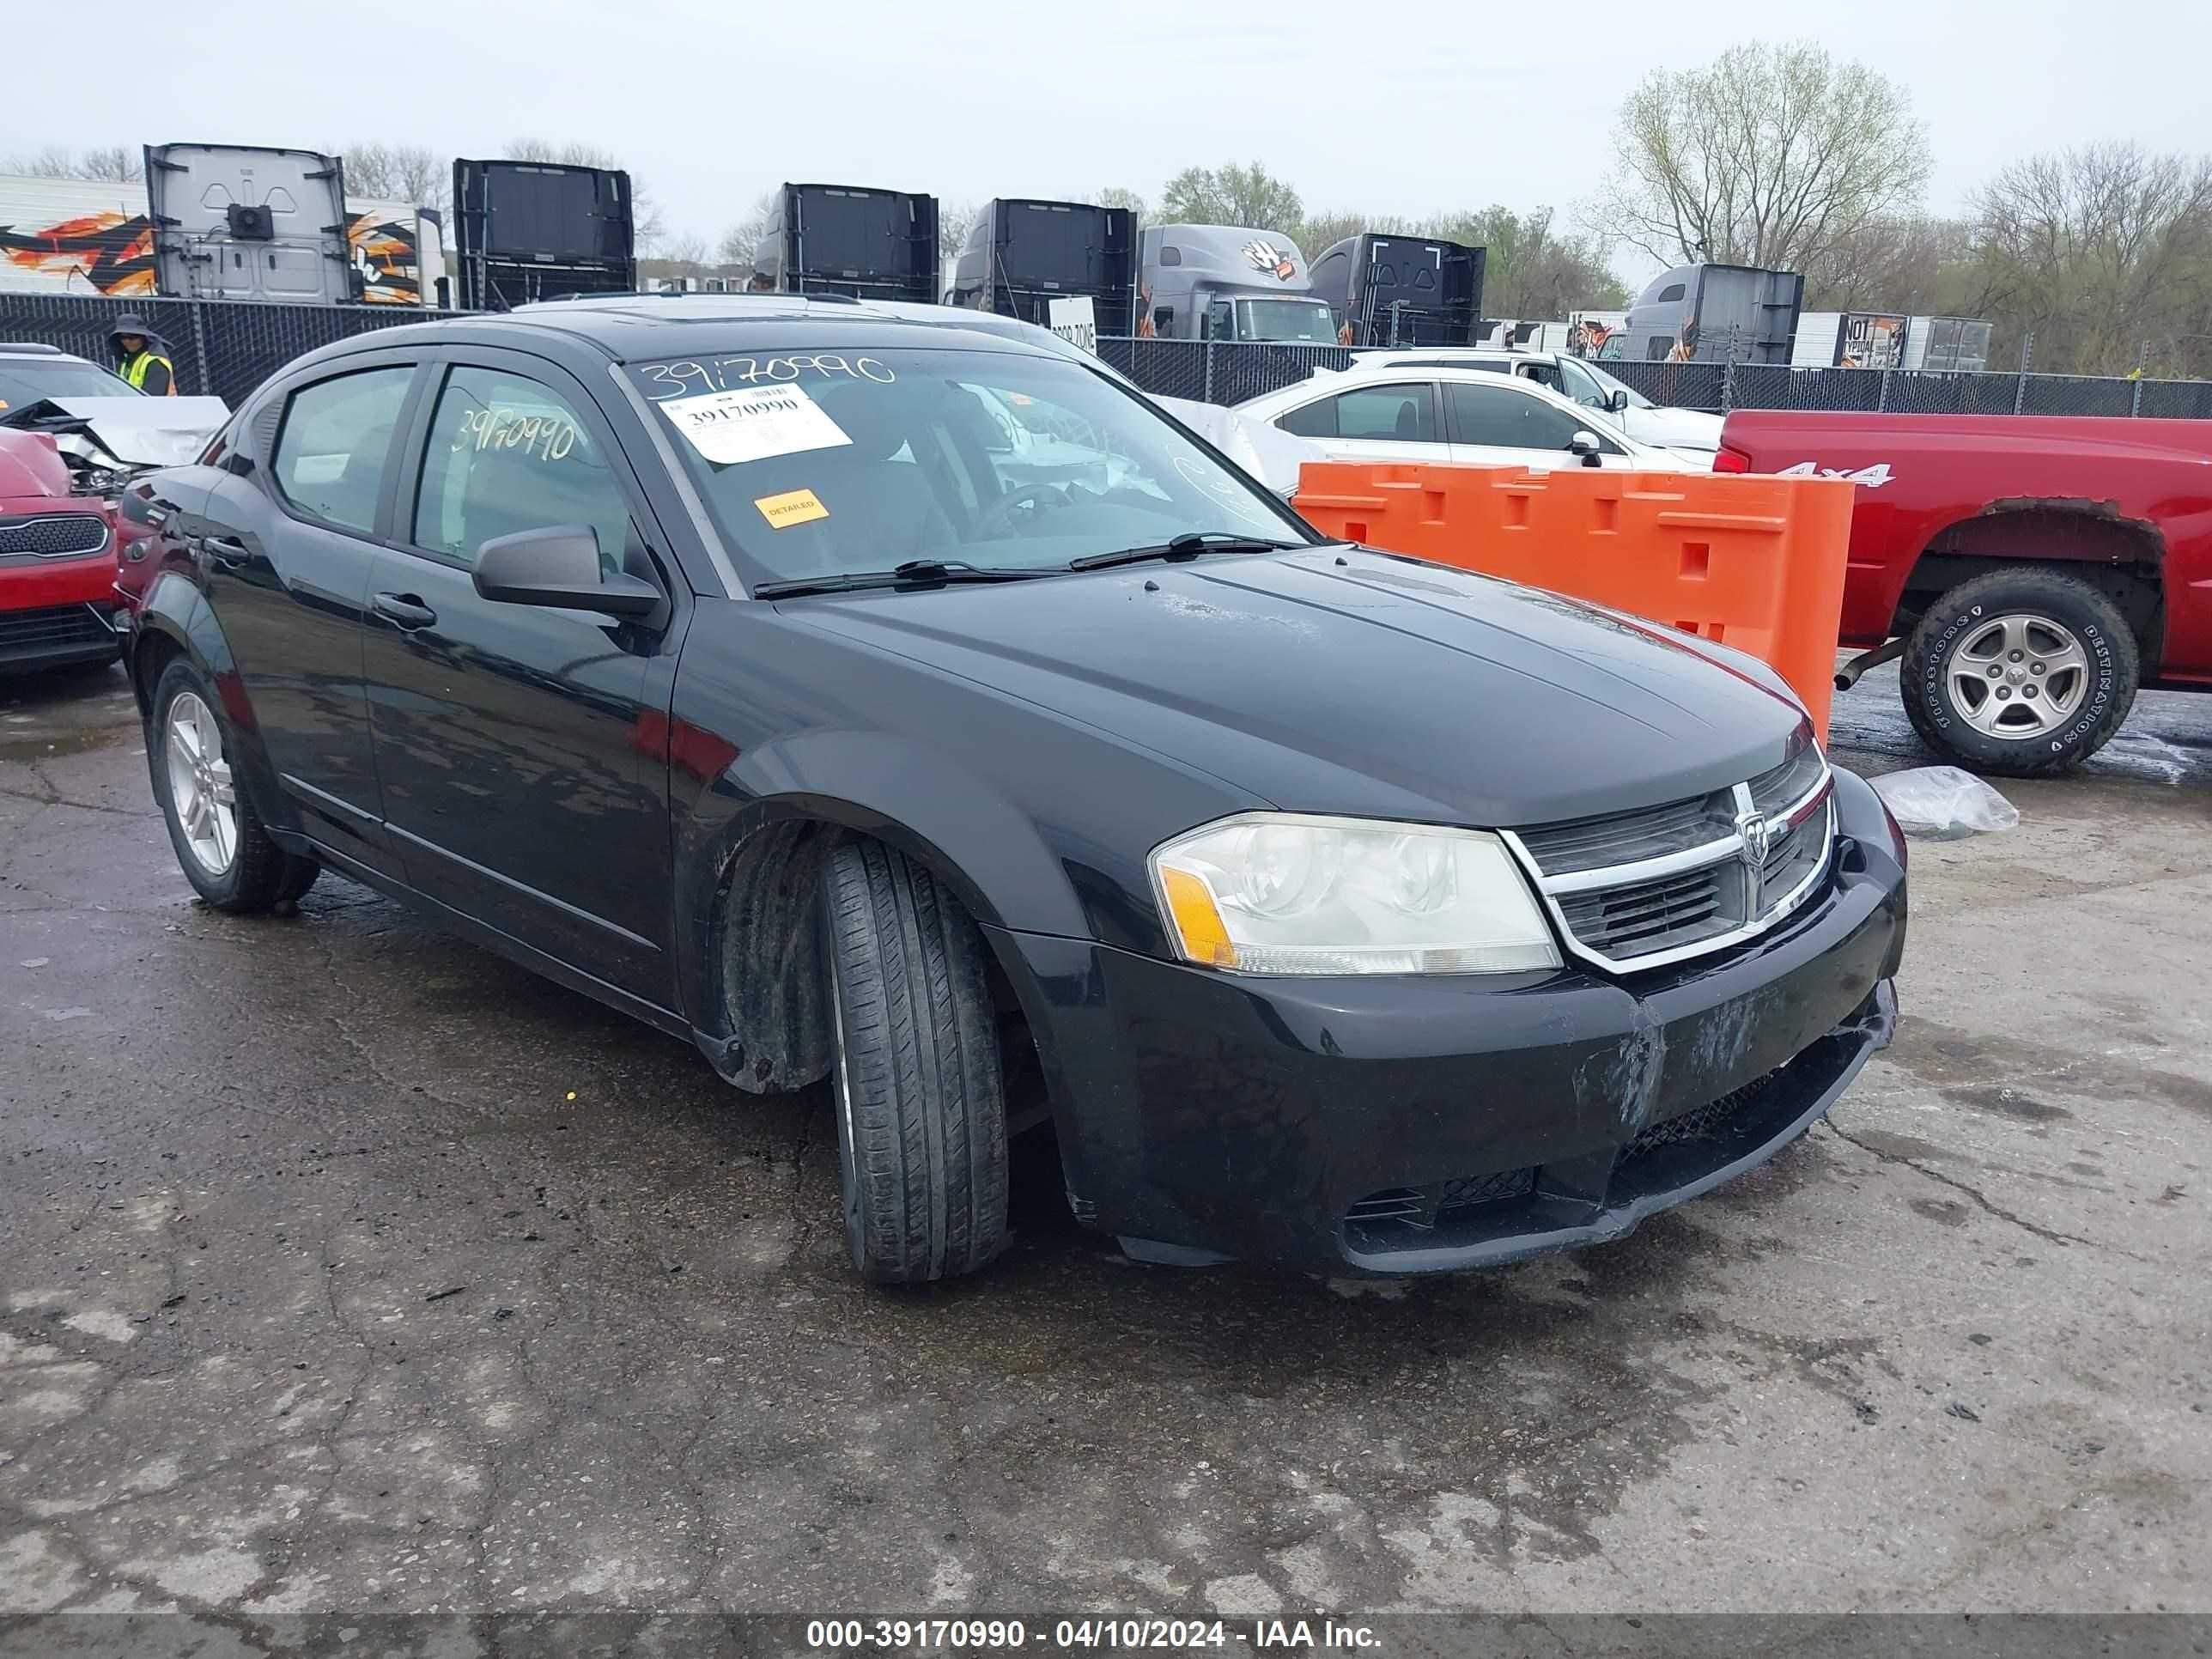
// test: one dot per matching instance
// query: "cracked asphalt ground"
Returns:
(344, 1267)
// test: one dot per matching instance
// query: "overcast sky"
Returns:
(1407, 107)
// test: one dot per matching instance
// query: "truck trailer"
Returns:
(1388, 290)
(538, 230)
(842, 239)
(1021, 256)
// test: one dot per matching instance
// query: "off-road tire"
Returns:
(261, 875)
(2114, 672)
(915, 1082)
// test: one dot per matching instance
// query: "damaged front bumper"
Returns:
(1424, 1124)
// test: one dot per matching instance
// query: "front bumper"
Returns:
(1416, 1124)
(54, 613)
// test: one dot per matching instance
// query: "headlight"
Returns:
(1285, 893)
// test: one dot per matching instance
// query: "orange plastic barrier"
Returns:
(1752, 561)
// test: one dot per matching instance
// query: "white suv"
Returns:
(1578, 380)
(1429, 410)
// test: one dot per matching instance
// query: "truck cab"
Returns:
(1230, 283)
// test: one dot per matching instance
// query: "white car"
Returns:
(1431, 411)
(1582, 381)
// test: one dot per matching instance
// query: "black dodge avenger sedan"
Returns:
(889, 695)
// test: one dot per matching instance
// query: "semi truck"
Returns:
(219, 222)
(1021, 257)
(541, 230)
(843, 238)
(1391, 290)
(1709, 314)
(1230, 283)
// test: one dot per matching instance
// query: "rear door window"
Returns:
(1404, 412)
(336, 445)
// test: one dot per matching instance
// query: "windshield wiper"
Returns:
(914, 573)
(1187, 546)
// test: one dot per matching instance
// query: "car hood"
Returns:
(1675, 428)
(133, 431)
(31, 470)
(1341, 680)
(1266, 452)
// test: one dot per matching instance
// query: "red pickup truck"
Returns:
(2034, 571)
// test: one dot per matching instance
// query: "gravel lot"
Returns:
(343, 1267)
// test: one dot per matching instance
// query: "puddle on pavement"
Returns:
(47, 746)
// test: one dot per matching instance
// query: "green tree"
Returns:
(1532, 269)
(1768, 157)
(1230, 195)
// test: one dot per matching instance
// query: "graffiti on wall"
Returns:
(106, 253)
(385, 260)
(113, 254)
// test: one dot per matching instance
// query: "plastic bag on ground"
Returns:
(1944, 803)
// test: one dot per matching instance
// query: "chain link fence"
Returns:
(220, 347)
(229, 347)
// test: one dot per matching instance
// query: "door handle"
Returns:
(404, 609)
(226, 552)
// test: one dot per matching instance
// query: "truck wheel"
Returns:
(2023, 673)
(922, 1121)
(226, 854)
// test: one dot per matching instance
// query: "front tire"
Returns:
(220, 843)
(915, 1083)
(2021, 673)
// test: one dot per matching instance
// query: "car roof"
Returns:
(1367, 371)
(647, 327)
(39, 348)
(1445, 357)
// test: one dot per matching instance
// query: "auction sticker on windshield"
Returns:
(753, 423)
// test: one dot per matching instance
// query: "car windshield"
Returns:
(1285, 319)
(25, 379)
(817, 464)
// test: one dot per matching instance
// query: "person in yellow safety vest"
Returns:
(137, 359)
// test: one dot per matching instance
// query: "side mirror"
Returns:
(559, 565)
(1584, 444)
(1617, 401)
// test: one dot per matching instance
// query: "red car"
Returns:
(58, 605)
(2033, 571)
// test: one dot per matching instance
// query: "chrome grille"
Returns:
(1626, 837)
(1644, 888)
(1641, 917)
(52, 536)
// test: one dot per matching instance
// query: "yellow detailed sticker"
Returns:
(792, 507)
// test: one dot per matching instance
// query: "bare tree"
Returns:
(1314, 235)
(399, 173)
(1914, 265)
(955, 219)
(1116, 196)
(742, 239)
(1231, 195)
(1767, 157)
(2098, 250)
(648, 223)
(112, 163)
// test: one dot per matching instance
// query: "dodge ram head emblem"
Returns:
(1266, 256)
(1758, 836)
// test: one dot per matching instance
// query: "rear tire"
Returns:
(220, 843)
(915, 1082)
(1986, 677)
